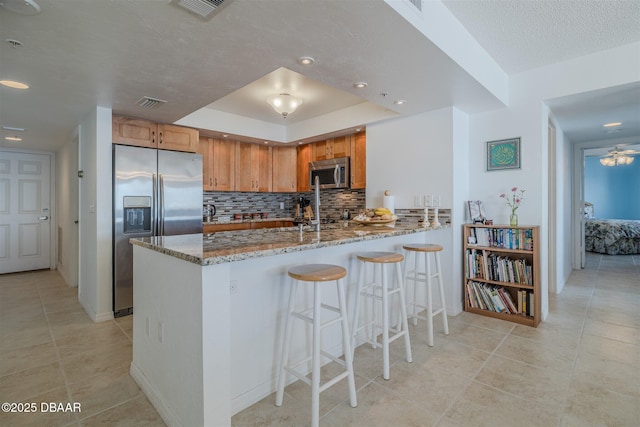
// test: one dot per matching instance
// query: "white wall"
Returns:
(65, 217)
(527, 117)
(95, 277)
(424, 154)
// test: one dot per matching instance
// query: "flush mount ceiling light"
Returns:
(284, 103)
(612, 124)
(305, 60)
(22, 7)
(14, 84)
(400, 102)
(360, 85)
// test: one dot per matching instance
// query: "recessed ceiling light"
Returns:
(360, 85)
(13, 138)
(13, 129)
(266, 142)
(400, 102)
(225, 135)
(612, 124)
(306, 60)
(14, 84)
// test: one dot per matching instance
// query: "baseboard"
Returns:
(165, 412)
(96, 317)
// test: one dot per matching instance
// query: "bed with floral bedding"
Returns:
(612, 236)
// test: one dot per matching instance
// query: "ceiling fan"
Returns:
(618, 157)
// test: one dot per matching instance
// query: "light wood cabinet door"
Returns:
(224, 153)
(253, 167)
(304, 157)
(205, 147)
(321, 150)
(177, 138)
(341, 147)
(285, 169)
(359, 160)
(244, 180)
(137, 132)
(263, 168)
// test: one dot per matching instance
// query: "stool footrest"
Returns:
(305, 378)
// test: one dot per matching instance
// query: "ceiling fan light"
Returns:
(607, 161)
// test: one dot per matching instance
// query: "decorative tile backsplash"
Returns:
(332, 204)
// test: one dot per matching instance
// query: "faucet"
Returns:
(316, 213)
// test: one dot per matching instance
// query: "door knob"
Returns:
(43, 218)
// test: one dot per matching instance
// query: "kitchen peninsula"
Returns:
(210, 309)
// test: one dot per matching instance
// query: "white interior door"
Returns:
(25, 217)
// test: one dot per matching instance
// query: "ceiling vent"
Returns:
(150, 103)
(205, 9)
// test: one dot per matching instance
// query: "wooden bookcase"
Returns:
(506, 260)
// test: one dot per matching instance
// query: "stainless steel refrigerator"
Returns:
(155, 193)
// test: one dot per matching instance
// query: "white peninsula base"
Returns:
(201, 352)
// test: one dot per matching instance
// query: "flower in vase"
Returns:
(514, 199)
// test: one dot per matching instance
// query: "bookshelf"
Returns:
(502, 272)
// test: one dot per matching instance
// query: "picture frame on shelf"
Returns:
(503, 154)
(477, 214)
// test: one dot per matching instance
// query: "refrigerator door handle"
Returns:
(161, 207)
(154, 207)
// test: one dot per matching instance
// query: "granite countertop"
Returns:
(216, 221)
(229, 246)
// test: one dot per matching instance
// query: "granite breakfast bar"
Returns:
(209, 311)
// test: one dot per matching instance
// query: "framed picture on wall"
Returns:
(503, 154)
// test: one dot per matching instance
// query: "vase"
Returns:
(513, 219)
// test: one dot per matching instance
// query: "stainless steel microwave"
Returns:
(333, 173)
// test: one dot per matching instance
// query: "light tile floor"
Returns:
(580, 367)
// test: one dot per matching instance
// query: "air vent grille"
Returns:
(417, 4)
(202, 8)
(150, 103)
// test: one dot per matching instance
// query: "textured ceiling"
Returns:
(525, 34)
(77, 54)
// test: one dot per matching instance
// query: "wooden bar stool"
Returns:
(425, 276)
(381, 292)
(317, 273)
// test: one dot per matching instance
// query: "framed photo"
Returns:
(476, 211)
(503, 154)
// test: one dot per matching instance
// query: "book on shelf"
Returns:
(505, 238)
(498, 299)
(486, 265)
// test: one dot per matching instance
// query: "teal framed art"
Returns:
(503, 154)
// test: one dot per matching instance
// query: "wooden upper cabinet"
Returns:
(177, 138)
(321, 150)
(264, 180)
(130, 131)
(332, 148)
(284, 169)
(304, 157)
(341, 147)
(205, 147)
(224, 154)
(359, 160)
(144, 133)
(252, 167)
